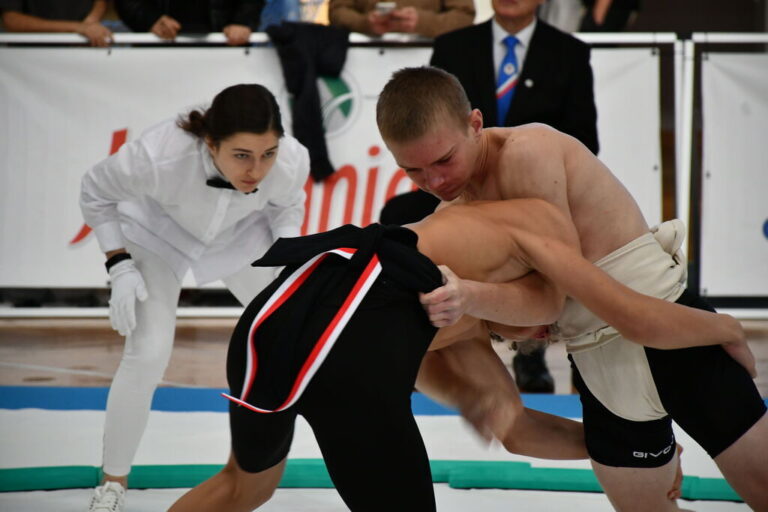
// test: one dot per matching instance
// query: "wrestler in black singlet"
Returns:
(358, 403)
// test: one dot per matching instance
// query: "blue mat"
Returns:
(210, 400)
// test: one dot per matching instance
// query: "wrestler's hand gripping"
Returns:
(741, 352)
(446, 305)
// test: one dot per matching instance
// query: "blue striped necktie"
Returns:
(505, 86)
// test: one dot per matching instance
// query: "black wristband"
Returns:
(116, 258)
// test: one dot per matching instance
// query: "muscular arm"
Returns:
(532, 299)
(645, 320)
(527, 301)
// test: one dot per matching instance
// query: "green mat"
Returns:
(311, 473)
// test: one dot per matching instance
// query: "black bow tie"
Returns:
(217, 182)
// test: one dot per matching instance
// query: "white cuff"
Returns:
(110, 236)
(286, 232)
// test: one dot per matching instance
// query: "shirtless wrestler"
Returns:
(631, 388)
(358, 401)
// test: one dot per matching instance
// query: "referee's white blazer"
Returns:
(153, 193)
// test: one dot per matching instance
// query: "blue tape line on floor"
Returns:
(76, 398)
(210, 400)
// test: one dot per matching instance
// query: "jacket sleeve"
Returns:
(248, 13)
(237, 12)
(454, 15)
(441, 55)
(350, 14)
(286, 211)
(126, 174)
(12, 5)
(138, 15)
(580, 112)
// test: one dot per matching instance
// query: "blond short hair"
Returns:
(416, 99)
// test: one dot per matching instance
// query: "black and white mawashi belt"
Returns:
(327, 339)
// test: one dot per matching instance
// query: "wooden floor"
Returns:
(78, 352)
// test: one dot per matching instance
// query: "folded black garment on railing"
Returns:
(307, 50)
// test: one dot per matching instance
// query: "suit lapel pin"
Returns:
(528, 83)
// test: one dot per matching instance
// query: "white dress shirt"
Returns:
(500, 49)
(153, 193)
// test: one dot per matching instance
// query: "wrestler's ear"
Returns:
(476, 122)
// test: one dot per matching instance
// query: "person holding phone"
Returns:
(428, 18)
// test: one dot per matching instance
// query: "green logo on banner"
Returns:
(339, 104)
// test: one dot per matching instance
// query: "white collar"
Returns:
(208, 166)
(524, 35)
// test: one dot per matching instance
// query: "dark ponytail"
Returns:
(194, 123)
(240, 108)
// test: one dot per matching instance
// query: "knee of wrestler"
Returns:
(246, 490)
(515, 429)
(493, 414)
(511, 443)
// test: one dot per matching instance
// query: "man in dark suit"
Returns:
(554, 87)
(549, 81)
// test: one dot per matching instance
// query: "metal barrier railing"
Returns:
(685, 68)
(121, 38)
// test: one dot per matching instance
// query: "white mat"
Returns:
(34, 437)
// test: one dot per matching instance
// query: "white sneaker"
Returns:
(108, 497)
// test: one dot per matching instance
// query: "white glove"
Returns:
(127, 286)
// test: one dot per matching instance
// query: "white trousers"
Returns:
(148, 350)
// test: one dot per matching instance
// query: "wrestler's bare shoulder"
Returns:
(527, 161)
(471, 239)
(527, 140)
(522, 162)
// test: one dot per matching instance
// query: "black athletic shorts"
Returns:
(705, 391)
(359, 401)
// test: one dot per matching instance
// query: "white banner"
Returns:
(734, 216)
(64, 109)
(629, 122)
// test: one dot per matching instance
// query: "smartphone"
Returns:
(384, 8)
